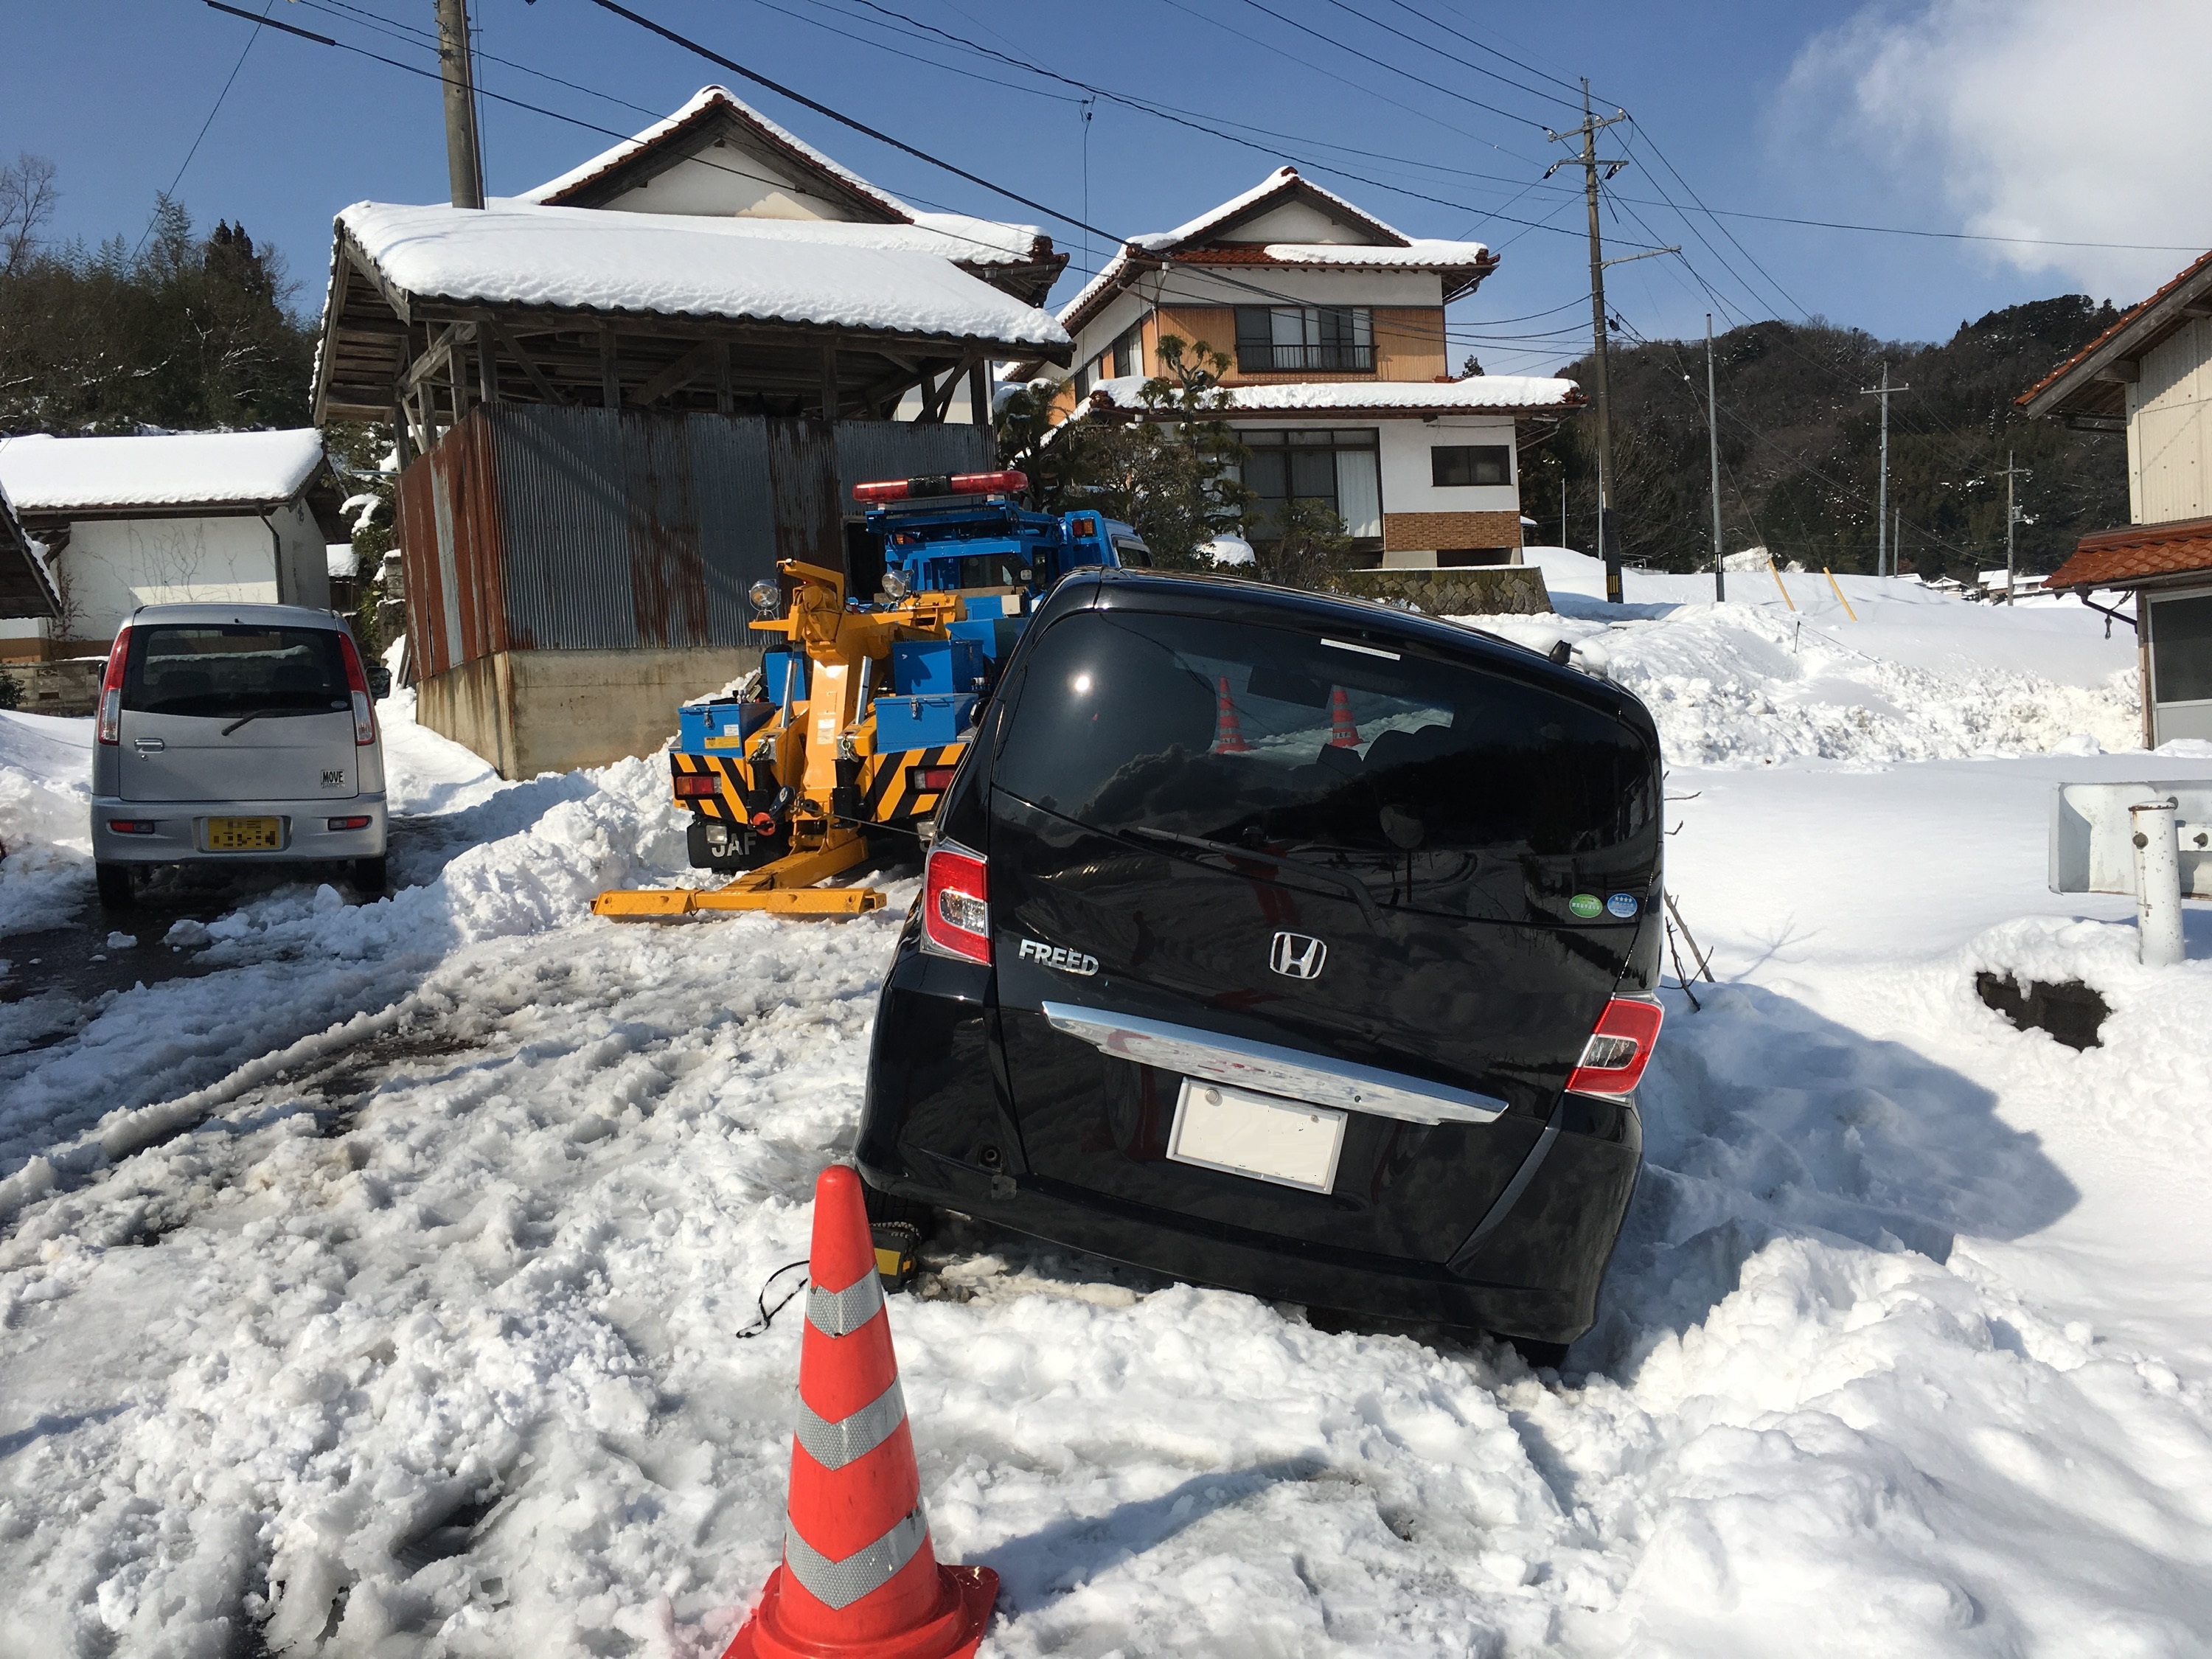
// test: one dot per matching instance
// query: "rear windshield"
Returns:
(1438, 785)
(232, 669)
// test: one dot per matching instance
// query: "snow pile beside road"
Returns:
(1752, 683)
(46, 836)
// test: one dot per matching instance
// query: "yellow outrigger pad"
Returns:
(784, 888)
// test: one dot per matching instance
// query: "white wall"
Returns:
(725, 183)
(1407, 476)
(2170, 428)
(113, 566)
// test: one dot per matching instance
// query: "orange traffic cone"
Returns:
(858, 1577)
(1228, 736)
(1342, 733)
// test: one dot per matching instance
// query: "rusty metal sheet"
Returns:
(802, 471)
(667, 567)
(564, 498)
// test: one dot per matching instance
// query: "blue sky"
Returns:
(1894, 114)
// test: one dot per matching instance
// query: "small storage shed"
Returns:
(25, 590)
(621, 399)
(198, 516)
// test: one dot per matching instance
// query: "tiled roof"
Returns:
(2128, 320)
(2139, 553)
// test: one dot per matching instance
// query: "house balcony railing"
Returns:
(1292, 359)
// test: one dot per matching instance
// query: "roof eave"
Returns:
(2143, 327)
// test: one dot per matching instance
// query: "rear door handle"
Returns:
(144, 743)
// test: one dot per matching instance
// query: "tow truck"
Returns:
(861, 710)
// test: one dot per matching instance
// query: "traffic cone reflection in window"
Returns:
(1228, 735)
(1342, 733)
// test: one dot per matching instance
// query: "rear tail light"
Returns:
(697, 783)
(1008, 483)
(929, 780)
(132, 826)
(364, 709)
(111, 688)
(956, 903)
(1613, 1058)
(355, 822)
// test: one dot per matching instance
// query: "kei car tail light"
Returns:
(364, 709)
(111, 688)
(956, 903)
(1613, 1058)
(697, 783)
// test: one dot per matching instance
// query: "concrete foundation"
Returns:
(1469, 591)
(528, 712)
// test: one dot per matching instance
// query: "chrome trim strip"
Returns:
(1314, 1079)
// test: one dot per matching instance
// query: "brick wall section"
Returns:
(1415, 532)
(1474, 591)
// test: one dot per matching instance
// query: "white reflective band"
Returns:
(841, 1583)
(839, 1312)
(833, 1445)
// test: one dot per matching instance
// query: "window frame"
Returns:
(1474, 455)
(1333, 339)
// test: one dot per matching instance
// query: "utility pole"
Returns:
(2012, 516)
(463, 165)
(1608, 543)
(1713, 446)
(1881, 559)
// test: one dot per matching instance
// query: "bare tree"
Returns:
(27, 195)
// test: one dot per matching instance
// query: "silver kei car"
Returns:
(236, 733)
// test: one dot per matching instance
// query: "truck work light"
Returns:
(1006, 482)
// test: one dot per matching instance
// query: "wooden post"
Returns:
(487, 365)
(829, 382)
(610, 372)
(399, 443)
(979, 395)
(725, 403)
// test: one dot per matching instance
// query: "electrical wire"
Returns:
(217, 109)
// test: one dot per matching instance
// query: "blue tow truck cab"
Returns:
(968, 535)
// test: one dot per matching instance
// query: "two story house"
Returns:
(1340, 383)
(2150, 376)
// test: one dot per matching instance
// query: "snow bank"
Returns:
(46, 832)
(1914, 675)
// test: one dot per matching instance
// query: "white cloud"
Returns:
(2033, 118)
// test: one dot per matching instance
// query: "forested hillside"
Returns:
(1799, 446)
(181, 331)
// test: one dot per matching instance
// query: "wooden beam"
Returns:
(678, 373)
(507, 344)
(487, 364)
(725, 403)
(436, 356)
(979, 395)
(610, 374)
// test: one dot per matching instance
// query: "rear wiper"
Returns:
(1351, 884)
(258, 713)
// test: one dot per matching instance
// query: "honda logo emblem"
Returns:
(1298, 956)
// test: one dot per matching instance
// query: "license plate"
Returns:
(244, 834)
(1265, 1137)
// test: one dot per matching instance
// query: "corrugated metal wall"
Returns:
(538, 528)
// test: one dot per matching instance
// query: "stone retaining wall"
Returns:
(1464, 591)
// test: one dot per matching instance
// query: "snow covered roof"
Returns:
(46, 476)
(1205, 241)
(1480, 394)
(890, 279)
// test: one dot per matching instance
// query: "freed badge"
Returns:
(1058, 956)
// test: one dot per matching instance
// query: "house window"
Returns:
(1338, 469)
(2181, 649)
(1275, 339)
(1452, 465)
(1129, 352)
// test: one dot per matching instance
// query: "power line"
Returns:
(1419, 81)
(211, 114)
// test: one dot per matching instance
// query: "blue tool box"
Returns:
(923, 722)
(926, 667)
(719, 723)
(993, 636)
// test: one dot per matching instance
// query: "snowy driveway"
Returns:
(389, 1296)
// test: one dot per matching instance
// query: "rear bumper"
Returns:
(178, 835)
(936, 1128)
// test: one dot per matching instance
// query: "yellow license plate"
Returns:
(244, 834)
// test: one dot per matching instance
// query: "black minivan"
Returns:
(1299, 945)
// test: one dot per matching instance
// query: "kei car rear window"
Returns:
(233, 668)
(1442, 785)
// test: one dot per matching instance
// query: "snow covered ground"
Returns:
(379, 1290)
